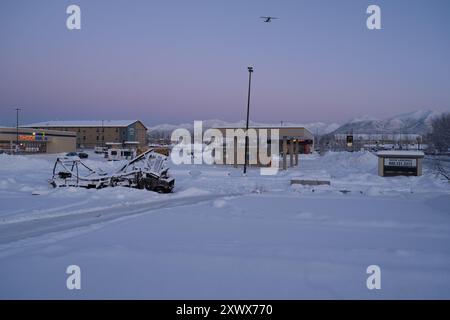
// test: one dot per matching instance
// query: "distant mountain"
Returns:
(417, 122)
(163, 131)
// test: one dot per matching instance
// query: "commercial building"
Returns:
(91, 134)
(291, 141)
(36, 140)
(377, 141)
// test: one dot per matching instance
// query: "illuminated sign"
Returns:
(40, 137)
(34, 137)
(27, 138)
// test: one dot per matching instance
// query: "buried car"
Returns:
(83, 155)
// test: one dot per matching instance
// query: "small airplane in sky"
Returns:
(268, 19)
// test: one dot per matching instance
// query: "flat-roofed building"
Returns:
(36, 140)
(97, 133)
(291, 141)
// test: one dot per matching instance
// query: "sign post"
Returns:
(400, 163)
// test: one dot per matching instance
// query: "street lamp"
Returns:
(17, 129)
(103, 134)
(250, 71)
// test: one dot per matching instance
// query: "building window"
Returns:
(84, 138)
(97, 138)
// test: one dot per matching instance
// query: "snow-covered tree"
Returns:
(440, 134)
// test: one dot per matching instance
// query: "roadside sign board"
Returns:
(400, 162)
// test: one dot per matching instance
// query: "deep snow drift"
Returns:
(222, 235)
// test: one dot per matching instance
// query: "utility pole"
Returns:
(250, 71)
(317, 139)
(17, 129)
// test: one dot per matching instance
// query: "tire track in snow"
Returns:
(17, 231)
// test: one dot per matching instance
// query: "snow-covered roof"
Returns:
(31, 130)
(81, 123)
(410, 153)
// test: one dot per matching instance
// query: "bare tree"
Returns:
(440, 134)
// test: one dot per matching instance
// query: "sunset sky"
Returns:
(172, 61)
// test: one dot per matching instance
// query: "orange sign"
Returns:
(34, 137)
(27, 138)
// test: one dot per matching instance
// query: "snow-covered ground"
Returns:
(223, 235)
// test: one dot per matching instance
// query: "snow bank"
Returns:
(340, 163)
(12, 162)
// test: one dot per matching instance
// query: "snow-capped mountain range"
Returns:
(417, 122)
(165, 130)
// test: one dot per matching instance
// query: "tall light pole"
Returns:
(250, 71)
(103, 134)
(17, 129)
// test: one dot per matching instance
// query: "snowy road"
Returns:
(248, 247)
(15, 231)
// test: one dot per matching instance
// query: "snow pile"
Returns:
(11, 162)
(342, 163)
(24, 173)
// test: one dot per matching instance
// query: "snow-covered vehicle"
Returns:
(147, 171)
(121, 154)
(100, 149)
(72, 156)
